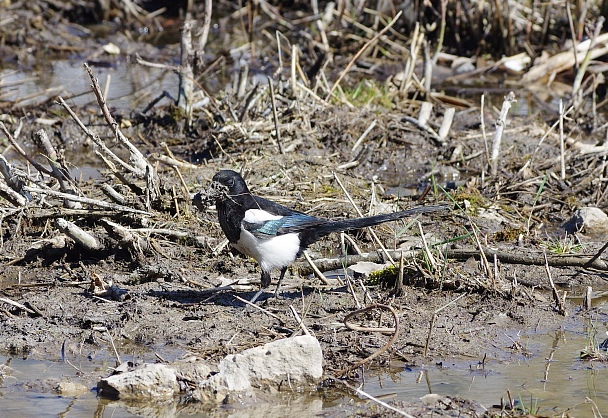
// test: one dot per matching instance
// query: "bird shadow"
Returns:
(191, 297)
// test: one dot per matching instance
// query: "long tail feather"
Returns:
(357, 223)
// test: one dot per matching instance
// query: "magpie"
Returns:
(275, 235)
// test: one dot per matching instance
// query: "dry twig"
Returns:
(560, 303)
(394, 330)
(501, 122)
(358, 54)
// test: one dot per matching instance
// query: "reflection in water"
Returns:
(553, 379)
(544, 373)
(292, 406)
(129, 86)
(28, 394)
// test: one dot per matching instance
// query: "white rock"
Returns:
(293, 363)
(431, 399)
(438, 402)
(298, 360)
(68, 388)
(589, 219)
(491, 218)
(367, 267)
(148, 381)
(159, 381)
(111, 49)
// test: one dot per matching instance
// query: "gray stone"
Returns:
(294, 364)
(158, 381)
(589, 219)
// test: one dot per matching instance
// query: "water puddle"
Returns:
(21, 391)
(529, 102)
(554, 379)
(548, 377)
(128, 85)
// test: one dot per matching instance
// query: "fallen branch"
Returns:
(199, 241)
(565, 60)
(80, 237)
(38, 248)
(55, 212)
(327, 264)
(531, 258)
(584, 261)
(18, 305)
(85, 200)
(126, 239)
(11, 195)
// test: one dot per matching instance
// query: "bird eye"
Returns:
(230, 182)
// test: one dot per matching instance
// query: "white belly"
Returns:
(273, 253)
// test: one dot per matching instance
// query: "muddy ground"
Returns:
(168, 304)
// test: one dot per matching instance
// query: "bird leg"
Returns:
(276, 292)
(264, 283)
(256, 296)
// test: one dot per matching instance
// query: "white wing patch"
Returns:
(258, 215)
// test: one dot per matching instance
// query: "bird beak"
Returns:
(208, 196)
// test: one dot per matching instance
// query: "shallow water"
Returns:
(128, 85)
(554, 379)
(550, 379)
(17, 401)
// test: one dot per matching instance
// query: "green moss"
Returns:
(509, 234)
(326, 189)
(470, 199)
(369, 92)
(385, 277)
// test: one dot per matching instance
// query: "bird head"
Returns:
(231, 180)
(225, 184)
